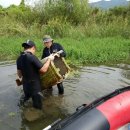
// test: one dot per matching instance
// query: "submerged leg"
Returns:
(60, 88)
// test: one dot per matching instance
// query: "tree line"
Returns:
(63, 18)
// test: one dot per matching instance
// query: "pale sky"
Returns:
(6, 3)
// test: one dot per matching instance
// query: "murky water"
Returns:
(85, 86)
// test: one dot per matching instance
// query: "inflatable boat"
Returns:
(109, 112)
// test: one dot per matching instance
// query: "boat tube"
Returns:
(109, 112)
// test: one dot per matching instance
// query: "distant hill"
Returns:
(110, 4)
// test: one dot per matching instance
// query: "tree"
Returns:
(22, 3)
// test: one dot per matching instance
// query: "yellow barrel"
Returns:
(57, 72)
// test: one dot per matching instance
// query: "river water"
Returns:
(86, 85)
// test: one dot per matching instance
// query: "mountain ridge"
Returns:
(109, 4)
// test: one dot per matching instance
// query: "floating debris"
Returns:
(11, 114)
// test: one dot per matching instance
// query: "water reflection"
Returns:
(83, 87)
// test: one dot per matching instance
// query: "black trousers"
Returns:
(31, 90)
(60, 88)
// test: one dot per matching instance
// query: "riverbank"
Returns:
(79, 51)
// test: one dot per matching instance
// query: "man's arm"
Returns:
(63, 54)
(39, 65)
(43, 54)
(45, 66)
(47, 63)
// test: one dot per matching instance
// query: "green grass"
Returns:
(97, 51)
(82, 51)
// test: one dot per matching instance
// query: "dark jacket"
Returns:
(29, 66)
(55, 47)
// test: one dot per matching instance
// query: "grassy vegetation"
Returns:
(81, 51)
(89, 35)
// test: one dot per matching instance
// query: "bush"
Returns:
(11, 27)
(57, 27)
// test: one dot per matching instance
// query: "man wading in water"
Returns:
(29, 68)
(51, 48)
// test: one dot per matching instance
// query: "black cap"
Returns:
(28, 43)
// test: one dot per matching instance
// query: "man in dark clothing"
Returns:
(51, 47)
(29, 68)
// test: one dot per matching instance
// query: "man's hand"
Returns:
(51, 57)
(19, 82)
(61, 51)
(19, 73)
(57, 55)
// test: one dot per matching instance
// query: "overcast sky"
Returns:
(6, 3)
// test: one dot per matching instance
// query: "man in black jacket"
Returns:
(51, 47)
(29, 68)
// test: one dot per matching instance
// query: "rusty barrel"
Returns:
(57, 72)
